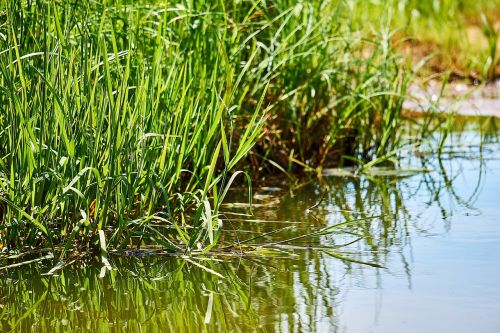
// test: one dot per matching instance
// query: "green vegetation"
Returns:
(110, 123)
(124, 123)
(460, 36)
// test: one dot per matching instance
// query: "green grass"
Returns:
(124, 123)
(105, 129)
(461, 36)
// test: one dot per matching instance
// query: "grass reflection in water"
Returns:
(283, 282)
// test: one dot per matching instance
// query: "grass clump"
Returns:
(114, 130)
(336, 91)
(124, 123)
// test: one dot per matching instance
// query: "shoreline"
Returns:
(458, 98)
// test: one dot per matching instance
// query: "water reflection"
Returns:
(424, 228)
(143, 294)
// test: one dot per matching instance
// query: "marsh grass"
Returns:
(124, 124)
(103, 135)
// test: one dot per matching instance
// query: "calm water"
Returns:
(435, 236)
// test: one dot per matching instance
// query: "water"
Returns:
(433, 227)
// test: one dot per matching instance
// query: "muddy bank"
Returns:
(459, 98)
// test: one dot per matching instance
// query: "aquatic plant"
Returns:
(111, 128)
(125, 123)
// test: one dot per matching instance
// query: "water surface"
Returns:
(422, 254)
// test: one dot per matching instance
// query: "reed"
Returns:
(124, 123)
(110, 123)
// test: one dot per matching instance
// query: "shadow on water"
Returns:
(284, 281)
